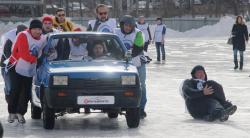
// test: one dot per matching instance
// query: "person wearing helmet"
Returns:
(205, 99)
(144, 27)
(133, 39)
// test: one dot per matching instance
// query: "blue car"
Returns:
(85, 70)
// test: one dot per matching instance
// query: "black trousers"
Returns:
(212, 105)
(207, 106)
(145, 48)
(20, 92)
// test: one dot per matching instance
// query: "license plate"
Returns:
(95, 100)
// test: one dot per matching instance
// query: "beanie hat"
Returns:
(36, 24)
(77, 29)
(47, 18)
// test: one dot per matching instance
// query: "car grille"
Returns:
(94, 83)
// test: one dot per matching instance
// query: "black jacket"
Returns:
(6, 52)
(190, 90)
(240, 36)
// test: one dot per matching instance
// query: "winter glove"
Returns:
(34, 51)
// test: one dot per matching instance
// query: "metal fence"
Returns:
(178, 24)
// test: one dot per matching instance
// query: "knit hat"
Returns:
(47, 18)
(77, 29)
(36, 24)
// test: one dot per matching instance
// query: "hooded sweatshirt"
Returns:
(193, 88)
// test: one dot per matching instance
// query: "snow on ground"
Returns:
(165, 107)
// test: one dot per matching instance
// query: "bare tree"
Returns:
(81, 13)
(136, 8)
(147, 10)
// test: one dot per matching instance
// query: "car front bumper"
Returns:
(59, 98)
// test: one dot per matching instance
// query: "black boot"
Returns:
(143, 114)
(235, 64)
(241, 65)
(229, 107)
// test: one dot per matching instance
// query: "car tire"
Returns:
(48, 116)
(133, 117)
(112, 114)
(35, 112)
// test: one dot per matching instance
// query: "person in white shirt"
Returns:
(78, 49)
(159, 35)
(144, 27)
(102, 23)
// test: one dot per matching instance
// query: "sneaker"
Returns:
(21, 118)
(163, 61)
(143, 114)
(12, 118)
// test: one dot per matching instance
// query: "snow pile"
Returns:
(221, 29)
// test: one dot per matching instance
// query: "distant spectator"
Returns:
(240, 38)
(159, 39)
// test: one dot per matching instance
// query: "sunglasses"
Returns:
(102, 13)
(61, 15)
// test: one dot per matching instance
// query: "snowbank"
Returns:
(221, 29)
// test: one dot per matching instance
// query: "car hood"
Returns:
(90, 66)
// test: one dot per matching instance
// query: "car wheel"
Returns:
(112, 114)
(48, 116)
(133, 117)
(35, 112)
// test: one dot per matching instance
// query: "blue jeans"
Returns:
(241, 55)
(142, 77)
(160, 50)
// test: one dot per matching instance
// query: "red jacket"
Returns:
(21, 49)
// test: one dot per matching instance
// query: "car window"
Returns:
(81, 47)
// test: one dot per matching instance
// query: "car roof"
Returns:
(82, 33)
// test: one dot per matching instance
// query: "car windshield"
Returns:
(83, 47)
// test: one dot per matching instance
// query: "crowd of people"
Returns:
(205, 99)
(24, 45)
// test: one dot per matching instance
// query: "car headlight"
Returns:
(60, 80)
(128, 80)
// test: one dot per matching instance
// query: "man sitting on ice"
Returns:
(205, 99)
